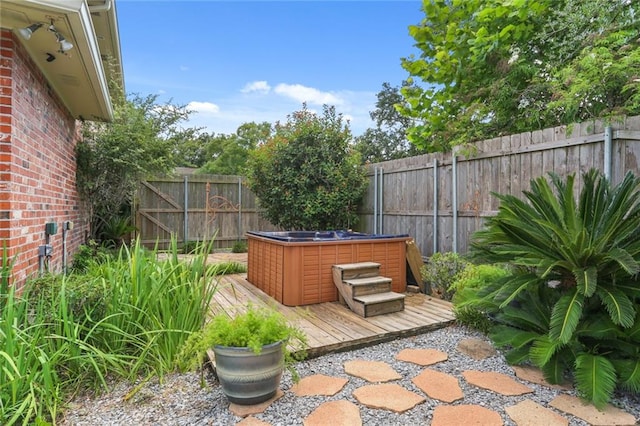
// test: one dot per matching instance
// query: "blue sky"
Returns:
(234, 62)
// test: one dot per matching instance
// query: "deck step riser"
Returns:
(362, 290)
(361, 273)
(383, 308)
(366, 293)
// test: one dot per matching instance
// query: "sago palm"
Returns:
(573, 298)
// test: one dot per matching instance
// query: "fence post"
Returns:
(435, 205)
(381, 189)
(454, 198)
(375, 200)
(185, 237)
(607, 152)
(239, 208)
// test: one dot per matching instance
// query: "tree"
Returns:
(306, 176)
(113, 157)
(228, 154)
(388, 140)
(495, 67)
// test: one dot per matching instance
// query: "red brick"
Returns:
(41, 188)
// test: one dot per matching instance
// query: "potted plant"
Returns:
(251, 350)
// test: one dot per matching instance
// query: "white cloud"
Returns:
(203, 107)
(184, 68)
(256, 86)
(310, 95)
(227, 113)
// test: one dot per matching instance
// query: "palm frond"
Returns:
(543, 350)
(624, 259)
(628, 373)
(503, 335)
(553, 370)
(633, 333)
(517, 356)
(586, 280)
(598, 327)
(618, 305)
(512, 287)
(565, 316)
(595, 378)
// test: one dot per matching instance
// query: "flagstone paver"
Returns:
(247, 410)
(438, 386)
(441, 386)
(476, 348)
(610, 416)
(534, 375)
(422, 356)
(335, 413)
(319, 384)
(529, 413)
(371, 371)
(467, 415)
(252, 421)
(497, 382)
(389, 396)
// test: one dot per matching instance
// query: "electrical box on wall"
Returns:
(51, 228)
(45, 250)
(68, 225)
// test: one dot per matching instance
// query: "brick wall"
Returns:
(37, 163)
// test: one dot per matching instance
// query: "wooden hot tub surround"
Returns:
(295, 268)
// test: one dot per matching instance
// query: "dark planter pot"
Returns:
(248, 378)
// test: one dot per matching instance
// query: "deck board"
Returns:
(331, 326)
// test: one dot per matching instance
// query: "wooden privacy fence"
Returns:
(196, 208)
(441, 199)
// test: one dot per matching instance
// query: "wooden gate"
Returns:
(196, 208)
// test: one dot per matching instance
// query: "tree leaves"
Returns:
(306, 176)
(491, 67)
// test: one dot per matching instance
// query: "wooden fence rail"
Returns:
(441, 199)
(438, 199)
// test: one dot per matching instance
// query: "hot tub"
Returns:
(295, 267)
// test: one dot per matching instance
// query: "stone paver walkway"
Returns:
(450, 409)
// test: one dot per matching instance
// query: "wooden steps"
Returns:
(365, 291)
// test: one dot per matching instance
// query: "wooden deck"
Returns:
(332, 327)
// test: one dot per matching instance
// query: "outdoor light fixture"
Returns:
(64, 44)
(28, 31)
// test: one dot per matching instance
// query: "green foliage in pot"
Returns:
(572, 299)
(253, 328)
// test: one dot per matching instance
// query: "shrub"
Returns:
(440, 273)
(472, 279)
(307, 176)
(90, 254)
(226, 268)
(239, 247)
(572, 298)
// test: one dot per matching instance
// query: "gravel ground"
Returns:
(181, 399)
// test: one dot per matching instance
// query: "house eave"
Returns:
(80, 76)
